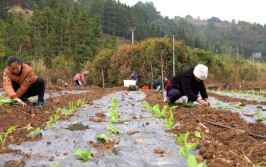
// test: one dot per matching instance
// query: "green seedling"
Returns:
(226, 107)
(55, 166)
(163, 112)
(103, 138)
(258, 115)
(4, 100)
(112, 129)
(192, 162)
(189, 104)
(182, 138)
(146, 105)
(170, 120)
(113, 111)
(80, 102)
(33, 130)
(29, 127)
(185, 150)
(72, 107)
(156, 110)
(9, 130)
(238, 106)
(55, 117)
(37, 131)
(218, 103)
(85, 156)
(197, 134)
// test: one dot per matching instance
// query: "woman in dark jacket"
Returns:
(188, 83)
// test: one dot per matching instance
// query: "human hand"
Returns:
(203, 102)
(20, 102)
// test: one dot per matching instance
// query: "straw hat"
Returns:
(85, 72)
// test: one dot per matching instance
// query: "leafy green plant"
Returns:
(197, 134)
(189, 104)
(226, 107)
(9, 130)
(185, 150)
(163, 112)
(192, 162)
(72, 107)
(218, 103)
(33, 130)
(170, 119)
(156, 110)
(83, 155)
(55, 166)
(55, 117)
(113, 111)
(182, 140)
(112, 129)
(238, 106)
(258, 115)
(103, 138)
(146, 105)
(4, 100)
(80, 102)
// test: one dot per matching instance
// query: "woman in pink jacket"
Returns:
(79, 79)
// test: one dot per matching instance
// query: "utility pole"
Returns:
(162, 71)
(151, 75)
(173, 55)
(253, 56)
(237, 52)
(132, 29)
(103, 79)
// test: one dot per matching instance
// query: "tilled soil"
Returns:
(219, 146)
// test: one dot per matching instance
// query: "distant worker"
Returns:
(134, 76)
(188, 83)
(157, 83)
(65, 85)
(20, 82)
(79, 79)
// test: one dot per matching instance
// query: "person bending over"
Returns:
(188, 83)
(20, 82)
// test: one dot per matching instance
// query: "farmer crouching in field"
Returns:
(20, 82)
(157, 83)
(188, 83)
(79, 79)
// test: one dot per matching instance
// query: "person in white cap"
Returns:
(188, 83)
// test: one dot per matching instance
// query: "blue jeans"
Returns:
(174, 94)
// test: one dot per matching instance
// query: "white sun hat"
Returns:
(201, 71)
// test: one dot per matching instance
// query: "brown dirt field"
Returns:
(219, 146)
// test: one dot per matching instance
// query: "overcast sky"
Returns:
(252, 11)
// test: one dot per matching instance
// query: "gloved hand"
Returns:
(20, 102)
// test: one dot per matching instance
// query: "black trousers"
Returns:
(37, 88)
